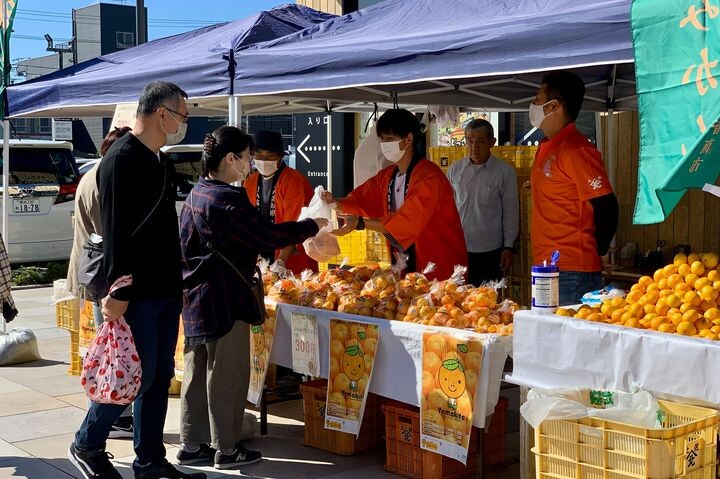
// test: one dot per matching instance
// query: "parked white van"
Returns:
(42, 185)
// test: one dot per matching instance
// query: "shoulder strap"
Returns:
(162, 195)
(210, 245)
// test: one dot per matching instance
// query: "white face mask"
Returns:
(392, 151)
(178, 136)
(241, 167)
(266, 167)
(537, 114)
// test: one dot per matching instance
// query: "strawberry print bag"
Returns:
(111, 369)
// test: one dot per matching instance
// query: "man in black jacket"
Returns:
(141, 240)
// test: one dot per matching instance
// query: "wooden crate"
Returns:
(314, 400)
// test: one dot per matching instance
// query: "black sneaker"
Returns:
(122, 428)
(164, 470)
(204, 454)
(240, 457)
(93, 464)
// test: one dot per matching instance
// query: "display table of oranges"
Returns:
(681, 298)
(379, 293)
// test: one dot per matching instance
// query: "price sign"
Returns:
(305, 352)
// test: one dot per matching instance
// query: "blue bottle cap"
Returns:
(545, 269)
(554, 257)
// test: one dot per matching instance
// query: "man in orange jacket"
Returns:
(279, 192)
(411, 202)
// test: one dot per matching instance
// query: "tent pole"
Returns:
(611, 162)
(5, 196)
(234, 111)
(329, 150)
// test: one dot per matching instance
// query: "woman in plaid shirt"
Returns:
(216, 301)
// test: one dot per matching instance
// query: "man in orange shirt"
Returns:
(411, 202)
(279, 192)
(574, 208)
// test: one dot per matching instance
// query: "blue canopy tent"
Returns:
(202, 62)
(486, 53)
(474, 53)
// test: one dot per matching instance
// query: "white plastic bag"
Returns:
(368, 158)
(638, 408)
(18, 346)
(61, 292)
(324, 245)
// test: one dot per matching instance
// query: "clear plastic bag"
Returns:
(638, 408)
(111, 369)
(324, 245)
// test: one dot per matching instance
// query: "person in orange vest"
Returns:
(279, 193)
(411, 202)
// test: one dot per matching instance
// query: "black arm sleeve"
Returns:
(605, 214)
(114, 183)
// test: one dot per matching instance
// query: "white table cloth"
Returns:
(398, 363)
(559, 352)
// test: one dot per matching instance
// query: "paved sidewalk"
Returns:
(41, 407)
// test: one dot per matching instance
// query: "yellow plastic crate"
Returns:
(67, 314)
(445, 156)
(75, 358)
(360, 247)
(589, 448)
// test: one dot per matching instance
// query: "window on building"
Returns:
(45, 126)
(21, 125)
(125, 39)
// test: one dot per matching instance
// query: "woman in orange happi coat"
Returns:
(411, 202)
(280, 192)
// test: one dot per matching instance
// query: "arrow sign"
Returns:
(300, 146)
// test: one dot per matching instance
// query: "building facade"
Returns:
(98, 29)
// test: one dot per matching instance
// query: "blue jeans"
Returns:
(98, 318)
(154, 324)
(574, 284)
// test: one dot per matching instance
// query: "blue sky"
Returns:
(34, 18)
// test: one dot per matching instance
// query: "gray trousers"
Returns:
(214, 389)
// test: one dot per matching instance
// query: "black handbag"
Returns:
(91, 271)
(255, 284)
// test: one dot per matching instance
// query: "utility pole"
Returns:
(59, 48)
(141, 22)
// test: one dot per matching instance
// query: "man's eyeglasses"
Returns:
(184, 118)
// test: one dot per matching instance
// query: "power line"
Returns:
(47, 14)
(32, 37)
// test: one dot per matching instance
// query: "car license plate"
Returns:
(26, 206)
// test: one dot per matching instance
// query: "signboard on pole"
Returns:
(62, 130)
(125, 114)
(311, 147)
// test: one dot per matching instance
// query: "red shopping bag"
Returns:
(111, 371)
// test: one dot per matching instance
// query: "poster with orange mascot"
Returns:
(353, 346)
(447, 388)
(261, 341)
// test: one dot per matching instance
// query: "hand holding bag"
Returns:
(111, 369)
